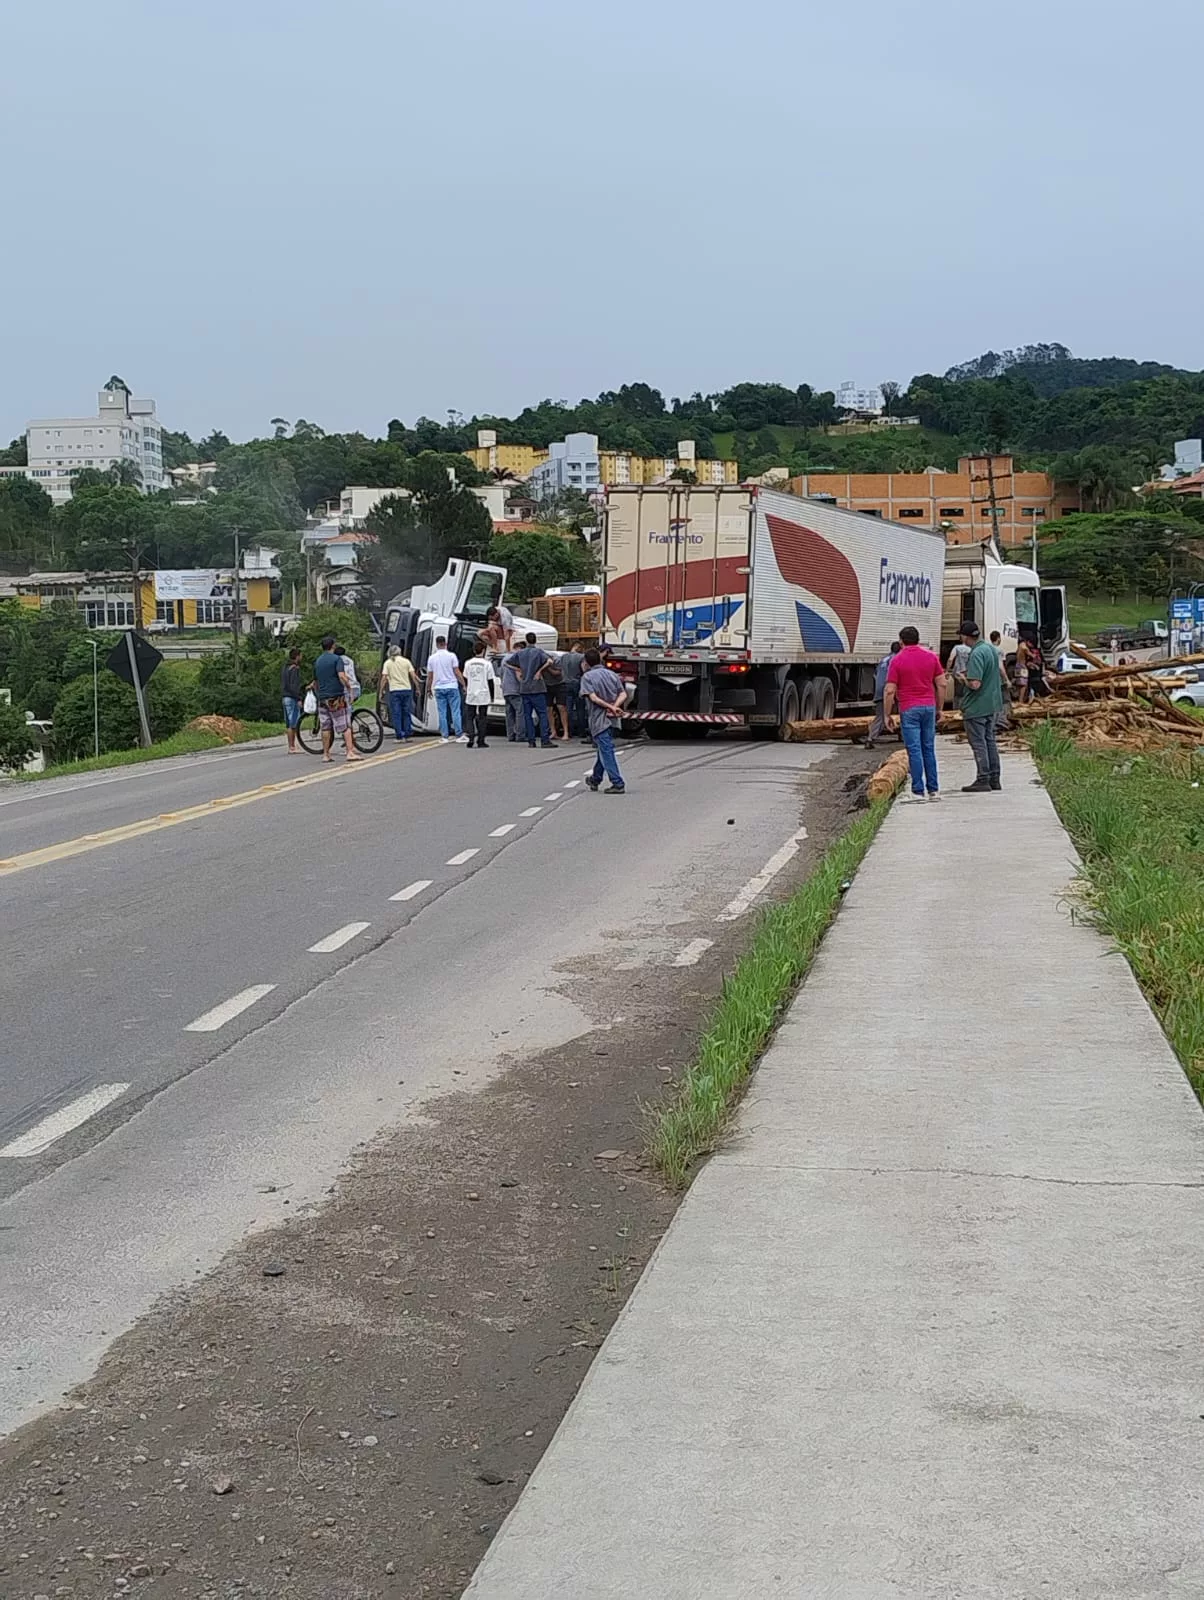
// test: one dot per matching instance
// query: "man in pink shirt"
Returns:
(916, 683)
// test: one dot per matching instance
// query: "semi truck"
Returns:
(740, 606)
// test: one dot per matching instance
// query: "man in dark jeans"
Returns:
(528, 664)
(982, 700)
(572, 664)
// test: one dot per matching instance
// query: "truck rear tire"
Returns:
(792, 711)
(825, 700)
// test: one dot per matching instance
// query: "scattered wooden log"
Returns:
(888, 777)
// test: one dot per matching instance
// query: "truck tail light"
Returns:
(731, 666)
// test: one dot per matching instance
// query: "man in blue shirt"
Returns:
(333, 689)
(878, 724)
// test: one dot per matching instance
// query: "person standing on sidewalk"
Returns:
(399, 680)
(878, 721)
(982, 701)
(529, 664)
(446, 679)
(480, 687)
(290, 694)
(916, 684)
(605, 693)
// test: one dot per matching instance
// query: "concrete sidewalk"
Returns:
(932, 1323)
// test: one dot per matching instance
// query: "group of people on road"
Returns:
(911, 682)
(566, 695)
(335, 687)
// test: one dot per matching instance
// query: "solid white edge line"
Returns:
(556, 796)
(692, 953)
(211, 1021)
(464, 855)
(52, 1128)
(412, 889)
(337, 939)
(760, 881)
(500, 833)
(531, 811)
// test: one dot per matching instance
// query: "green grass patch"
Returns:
(1097, 615)
(184, 743)
(754, 996)
(1138, 823)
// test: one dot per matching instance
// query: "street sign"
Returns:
(147, 657)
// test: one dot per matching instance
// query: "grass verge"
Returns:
(180, 744)
(753, 998)
(1138, 823)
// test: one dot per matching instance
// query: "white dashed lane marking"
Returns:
(531, 811)
(411, 889)
(555, 796)
(337, 939)
(465, 855)
(760, 881)
(573, 783)
(229, 1009)
(506, 827)
(52, 1128)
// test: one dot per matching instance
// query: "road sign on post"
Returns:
(134, 660)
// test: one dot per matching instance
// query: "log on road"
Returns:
(888, 777)
(832, 728)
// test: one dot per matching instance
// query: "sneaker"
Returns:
(615, 788)
(547, 745)
(444, 739)
(530, 744)
(592, 783)
(470, 744)
(934, 795)
(996, 784)
(463, 739)
(979, 786)
(481, 744)
(912, 800)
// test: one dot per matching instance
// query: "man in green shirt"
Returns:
(982, 699)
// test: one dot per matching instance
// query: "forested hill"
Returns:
(1104, 424)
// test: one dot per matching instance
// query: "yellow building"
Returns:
(519, 460)
(106, 599)
(614, 466)
(985, 492)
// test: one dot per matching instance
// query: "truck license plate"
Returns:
(680, 672)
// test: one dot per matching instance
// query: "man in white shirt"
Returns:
(446, 679)
(480, 687)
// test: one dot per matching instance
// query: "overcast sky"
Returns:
(351, 210)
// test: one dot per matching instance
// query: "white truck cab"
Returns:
(1003, 597)
(454, 607)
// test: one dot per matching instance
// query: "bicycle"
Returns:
(367, 732)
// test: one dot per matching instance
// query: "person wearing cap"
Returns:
(982, 701)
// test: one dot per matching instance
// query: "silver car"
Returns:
(1188, 689)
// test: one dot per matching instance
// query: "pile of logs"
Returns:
(1105, 706)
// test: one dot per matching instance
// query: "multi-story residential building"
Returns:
(577, 463)
(866, 402)
(519, 460)
(357, 501)
(124, 429)
(572, 463)
(985, 493)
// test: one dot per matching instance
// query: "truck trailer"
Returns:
(739, 606)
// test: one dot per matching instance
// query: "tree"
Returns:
(169, 706)
(1115, 583)
(890, 397)
(279, 428)
(348, 626)
(683, 475)
(538, 561)
(16, 454)
(26, 520)
(213, 445)
(106, 526)
(17, 740)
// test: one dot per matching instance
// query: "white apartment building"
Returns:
(573, 463)
(123, 429)
(357, 502)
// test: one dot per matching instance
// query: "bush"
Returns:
(17, 740)
(41, 696)
(169, 705)
(248, 689)
(350, 629)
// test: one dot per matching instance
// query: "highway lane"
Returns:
(138, 962)
(544, 934)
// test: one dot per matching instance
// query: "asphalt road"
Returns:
(206, 1006)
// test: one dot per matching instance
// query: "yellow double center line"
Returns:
(208, 808)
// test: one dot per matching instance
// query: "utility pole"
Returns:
(234, 607)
